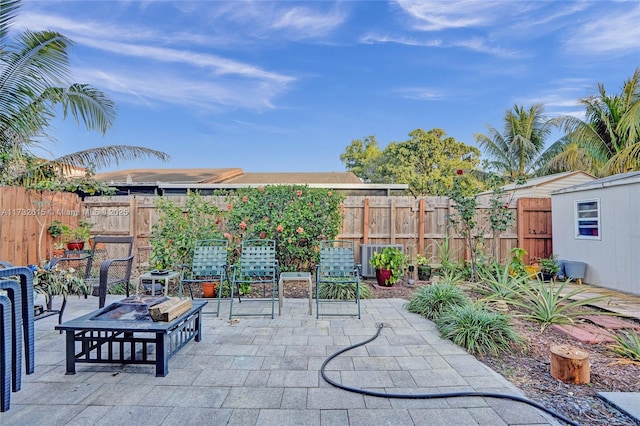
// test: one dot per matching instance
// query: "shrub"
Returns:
(627, 345)
(431, 301)
(340, 291)
(478, 330)
(173, 237)
(295, 216)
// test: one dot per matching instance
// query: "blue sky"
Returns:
(286, 86)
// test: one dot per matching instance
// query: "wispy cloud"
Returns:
(277, 20)
(476, 44)
(217, 64)
(372, 38)
(440, 15)
(217, 96)
(421, 93)
(611, 32)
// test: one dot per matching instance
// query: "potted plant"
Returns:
(55, 281)
(549, 267)
(76, 237)
(389, 264)
(56, 229)
(424, 269)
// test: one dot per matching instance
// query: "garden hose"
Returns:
(429, 395)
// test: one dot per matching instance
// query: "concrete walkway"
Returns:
(259, 371)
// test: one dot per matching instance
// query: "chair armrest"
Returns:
(122, 262)
(53, 262)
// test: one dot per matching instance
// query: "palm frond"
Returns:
(8, 9)
(106, 156)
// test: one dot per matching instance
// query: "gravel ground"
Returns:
(529, 370)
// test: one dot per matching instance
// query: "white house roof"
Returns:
(614, 180)
(545, 184)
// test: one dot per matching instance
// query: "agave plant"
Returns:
(497, 283)
(627, 345)
(547, 303)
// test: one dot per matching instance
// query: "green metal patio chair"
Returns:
(257, 270)
(337, 275)
(209, 264)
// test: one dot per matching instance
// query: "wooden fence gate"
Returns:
(534, 227)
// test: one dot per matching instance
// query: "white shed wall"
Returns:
(614, 260)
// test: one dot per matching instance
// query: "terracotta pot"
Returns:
(57, 252)
(383, 276)
(209, 289)
(75, 245)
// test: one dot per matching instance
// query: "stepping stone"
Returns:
(611, 323)
(627, 402)
(586, 333)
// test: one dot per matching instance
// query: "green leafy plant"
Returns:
(82, 232)
(478, 330)
(451, 276)
(517, 265)
(547, 304)
(392, 259)
(178, 227)
(57, 281)
(431, 301)
(446, 254)
(549, 265)
(627, 345)
(341, 291)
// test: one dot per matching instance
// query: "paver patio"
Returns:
(259, 371)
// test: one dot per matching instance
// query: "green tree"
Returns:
(35, 81)
(608, 139)
(427, 162)
(362, 158)
(520, 149)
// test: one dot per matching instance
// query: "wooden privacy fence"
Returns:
(25, 216)
(416, 223)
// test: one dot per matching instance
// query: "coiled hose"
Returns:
(429, 395)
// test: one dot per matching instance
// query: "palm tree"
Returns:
(35, 80)
(609, 136)
(519, 150)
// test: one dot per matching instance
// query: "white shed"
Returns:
(598, 223)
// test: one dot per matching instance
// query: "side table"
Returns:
(294, 276)
(149, 282)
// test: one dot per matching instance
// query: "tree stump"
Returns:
(570, 364)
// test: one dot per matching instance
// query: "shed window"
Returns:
(588, 219)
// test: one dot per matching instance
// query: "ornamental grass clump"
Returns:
(431, 301)
(478, 330)
(343, 291)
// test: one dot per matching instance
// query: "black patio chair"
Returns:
(108, 262)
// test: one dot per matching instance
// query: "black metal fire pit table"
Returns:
(124, 333)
